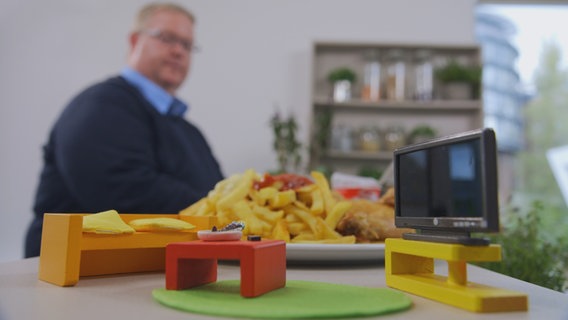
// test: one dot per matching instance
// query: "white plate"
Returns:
(335, 253)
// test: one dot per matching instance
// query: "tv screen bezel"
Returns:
(489, 219)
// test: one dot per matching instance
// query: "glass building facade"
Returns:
(503, 96)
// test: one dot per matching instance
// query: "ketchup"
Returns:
(283, 182)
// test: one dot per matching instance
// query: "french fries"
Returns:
(308, 214)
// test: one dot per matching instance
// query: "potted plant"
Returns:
(286, 144)
(421, 133)
(342, 79)
(530, 254)
(459, 81)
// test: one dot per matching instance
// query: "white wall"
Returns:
(256, 53)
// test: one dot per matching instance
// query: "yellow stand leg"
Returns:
(409, 266)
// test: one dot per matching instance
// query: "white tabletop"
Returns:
(23, 296)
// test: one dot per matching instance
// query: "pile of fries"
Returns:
(308, 214)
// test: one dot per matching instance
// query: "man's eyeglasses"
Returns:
(171, 39)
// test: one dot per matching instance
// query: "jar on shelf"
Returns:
(342, 138)
(395, 138)
(396, 75)
(369, 140)
(371, 77)
(423, 76)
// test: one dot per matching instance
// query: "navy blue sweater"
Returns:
(110, 149)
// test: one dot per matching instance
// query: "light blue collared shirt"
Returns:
(159, 98)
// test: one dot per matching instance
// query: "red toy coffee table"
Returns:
(194, 263)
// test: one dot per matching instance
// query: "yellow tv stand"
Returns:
(409, 266)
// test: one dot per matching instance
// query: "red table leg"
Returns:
(262, 270)
(183, 273)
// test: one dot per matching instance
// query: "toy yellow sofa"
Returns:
(68, 253)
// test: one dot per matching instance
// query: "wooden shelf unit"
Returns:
(444, 115)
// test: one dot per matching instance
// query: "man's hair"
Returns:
(150, 9)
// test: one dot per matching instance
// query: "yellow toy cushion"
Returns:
(160, 224)
(107, 222)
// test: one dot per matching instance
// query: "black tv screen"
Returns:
(448, 186)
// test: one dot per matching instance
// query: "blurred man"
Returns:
(123, 143)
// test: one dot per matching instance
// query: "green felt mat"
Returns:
(299, 299)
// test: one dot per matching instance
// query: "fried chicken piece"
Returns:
(388, 198)
(371, 221)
